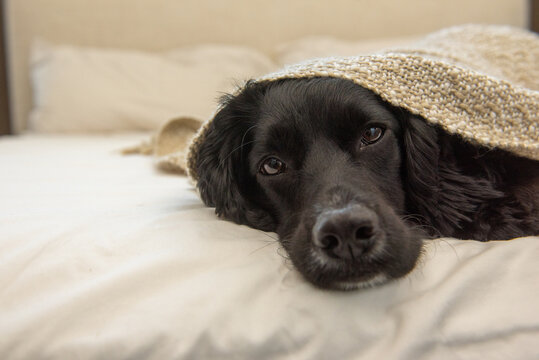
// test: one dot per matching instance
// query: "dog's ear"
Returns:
(221, 164)
(438, 189)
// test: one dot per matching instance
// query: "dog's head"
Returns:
(331, 168)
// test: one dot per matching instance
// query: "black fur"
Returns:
(416, 181)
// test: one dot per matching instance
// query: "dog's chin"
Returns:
(347, 277)
(376, 280)
(328, 273)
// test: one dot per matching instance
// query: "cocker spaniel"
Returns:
(351, 184)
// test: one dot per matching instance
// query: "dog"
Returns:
(353, 185)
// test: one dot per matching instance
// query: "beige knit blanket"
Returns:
(480, 82)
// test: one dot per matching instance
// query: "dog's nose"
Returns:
(346, 233)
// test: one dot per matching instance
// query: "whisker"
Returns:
(284, 254)
(234, 150)
(242, 144)
(243, 139)
(262, 247)
(452, 247)
(268, 235)
(418, 222)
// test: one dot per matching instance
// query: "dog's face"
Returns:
(335, 171)
(319, 161)
(326, 161)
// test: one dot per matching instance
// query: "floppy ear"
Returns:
(437, 186)
(221, 164)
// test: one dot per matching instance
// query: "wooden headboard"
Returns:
(534, 15)
(155, 25)
(5, 123)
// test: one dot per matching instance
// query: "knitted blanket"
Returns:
(479, 82)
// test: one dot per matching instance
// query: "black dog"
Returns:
(351, 184)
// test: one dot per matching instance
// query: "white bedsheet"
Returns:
(103, 257)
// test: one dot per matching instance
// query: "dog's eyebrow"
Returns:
(284, 140)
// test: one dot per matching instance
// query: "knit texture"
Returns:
(479, 82)
(169, 145)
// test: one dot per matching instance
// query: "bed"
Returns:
(106, 256)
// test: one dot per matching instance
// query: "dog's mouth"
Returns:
(353, 248)
(358, 272)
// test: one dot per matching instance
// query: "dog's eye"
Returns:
(272, 166)
(371, 135)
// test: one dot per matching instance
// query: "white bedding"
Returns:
(103, 257)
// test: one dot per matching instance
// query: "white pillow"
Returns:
(78, 89)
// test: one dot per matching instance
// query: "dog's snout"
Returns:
(346, 233)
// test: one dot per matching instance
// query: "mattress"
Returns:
(104, 257)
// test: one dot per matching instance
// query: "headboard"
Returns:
(163, 24)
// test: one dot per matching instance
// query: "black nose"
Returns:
(346, 233)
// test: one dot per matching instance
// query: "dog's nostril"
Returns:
(329, 242)
(364, 232)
